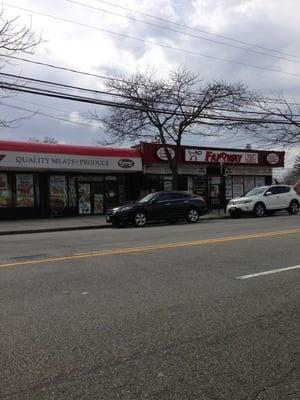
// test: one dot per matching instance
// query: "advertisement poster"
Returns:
(58, 194)
(98, 203)
(84, 198)
(25, 190)
(238, 186)
(248, 183)
(4, 192)
(228, 187)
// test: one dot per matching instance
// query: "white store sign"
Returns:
(227, 157)
(68, 162)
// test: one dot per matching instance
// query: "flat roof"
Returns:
(104, 151)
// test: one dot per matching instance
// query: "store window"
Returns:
(228, 187)
(249, 183)
(260, 181)
(72, 192)
(58, 192)
(5, 191)
(25, 192)
(237, 186)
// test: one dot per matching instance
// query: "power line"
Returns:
(178, 49)
(47, 115)
(54, 94)
(197, 29)
(231, 140)
(102, 92)
(72, 70)
(182, 32)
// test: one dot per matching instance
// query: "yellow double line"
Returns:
(161, 246)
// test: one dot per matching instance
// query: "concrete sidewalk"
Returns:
(13, 227)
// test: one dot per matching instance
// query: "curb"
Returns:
(81, 227)
(62, 229)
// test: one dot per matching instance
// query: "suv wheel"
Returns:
(259, 210)
(192, 216)
(140, 219)
(293, 207)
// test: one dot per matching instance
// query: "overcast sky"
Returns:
(270, 24)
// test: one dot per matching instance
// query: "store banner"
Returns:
(220, 156)
(70, 162)
(4, 191)
(25, 190)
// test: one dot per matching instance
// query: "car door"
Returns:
(161, 207)
(286, 196)
(271, 198)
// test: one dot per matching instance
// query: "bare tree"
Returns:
(14, 38)
(281, 121)
(296, 167)
(166, 111)
(47, 139)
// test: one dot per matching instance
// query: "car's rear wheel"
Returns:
(259, 210)
(192, 216)
(293, 207)
(140, 219)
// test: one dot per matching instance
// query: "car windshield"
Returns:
(147, 198)
(255, 191)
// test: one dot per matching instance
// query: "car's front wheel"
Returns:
(192, 216)
(119, 224)
(140, 219)
(259, 210)
(293, 207)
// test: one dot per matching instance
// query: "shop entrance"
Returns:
(90, 198)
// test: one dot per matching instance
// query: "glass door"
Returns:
(97, 198)
(84, 198)
(111, 191)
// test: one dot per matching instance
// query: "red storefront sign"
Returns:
(217, 156)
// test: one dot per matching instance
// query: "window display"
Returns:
(84, 190)
(25, 190)
(5, 192)
(58, 194)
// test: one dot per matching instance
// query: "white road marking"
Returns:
(273, 271)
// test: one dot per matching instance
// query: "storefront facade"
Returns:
(216, 174)
(44, 180)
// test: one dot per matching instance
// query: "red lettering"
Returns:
(208, 156)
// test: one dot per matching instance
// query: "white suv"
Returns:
(265, 200)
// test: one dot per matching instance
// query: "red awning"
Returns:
(32, 147)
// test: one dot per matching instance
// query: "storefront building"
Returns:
(44, 180)
(216, 174)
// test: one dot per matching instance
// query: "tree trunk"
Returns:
(175, 178)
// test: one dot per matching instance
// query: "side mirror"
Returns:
(268, 193)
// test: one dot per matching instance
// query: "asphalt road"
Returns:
(153, 313)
